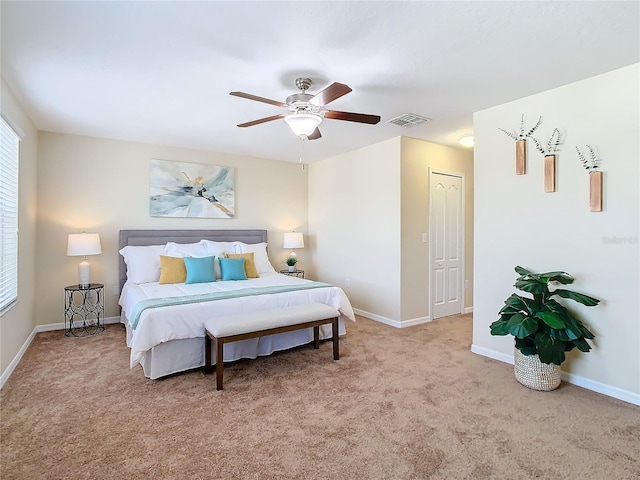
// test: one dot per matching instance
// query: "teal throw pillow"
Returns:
(200, 270)
(232, 269)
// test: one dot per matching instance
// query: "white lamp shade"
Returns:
(293, 240)
(83, 244)
(303, 124)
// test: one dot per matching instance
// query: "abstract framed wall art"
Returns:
(195, 190)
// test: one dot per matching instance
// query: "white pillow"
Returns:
(213, 247)
(219, 249)
(260, 257)
(173, 249)
(143, 262)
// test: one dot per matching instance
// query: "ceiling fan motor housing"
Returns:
(300, 102)
(303, 83)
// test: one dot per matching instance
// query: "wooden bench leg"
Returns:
(207, 354)
(336, 339)
(219, 364)
(316, 337)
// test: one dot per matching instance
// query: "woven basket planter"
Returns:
(532, 373)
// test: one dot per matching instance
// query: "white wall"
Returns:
(354, 225)
(367, 210)
(17, 323)
(518, 224)
(100, 185)
(417, 158)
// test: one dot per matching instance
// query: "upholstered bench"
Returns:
(242, 326)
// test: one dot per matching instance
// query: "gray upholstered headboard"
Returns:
(160, 237)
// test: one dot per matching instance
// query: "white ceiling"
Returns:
(161, 72)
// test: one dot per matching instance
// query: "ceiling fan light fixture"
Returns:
(303, 124)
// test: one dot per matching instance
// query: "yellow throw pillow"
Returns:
(172, 270)
(249, 265)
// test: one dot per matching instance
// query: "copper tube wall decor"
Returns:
(521, 143)
(521, 157)
(595, 191)
(591, 165)
(550, 173)
(549, 153)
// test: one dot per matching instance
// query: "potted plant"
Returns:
(291, 262)
(543, 328)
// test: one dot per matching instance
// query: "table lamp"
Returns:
(293, 240)
(83, 244)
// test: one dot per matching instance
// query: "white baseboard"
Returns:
(485, 352)
(608, 390)
(39, 328)
(14, 363)
(389, 321)
(400, 324)
(414, 321)
(61, 326)
(377, 318)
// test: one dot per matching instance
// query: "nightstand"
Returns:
(83, 309)
(295, 273)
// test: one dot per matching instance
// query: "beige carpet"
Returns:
(400, 404)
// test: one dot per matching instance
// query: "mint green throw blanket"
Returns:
(209, 297)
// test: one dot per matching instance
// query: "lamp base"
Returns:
(84, 273)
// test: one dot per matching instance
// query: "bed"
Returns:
(165, 321)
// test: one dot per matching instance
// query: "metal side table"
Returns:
(83, 309)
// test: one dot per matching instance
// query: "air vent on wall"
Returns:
(408, 120)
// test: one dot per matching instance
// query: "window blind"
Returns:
(9, 155)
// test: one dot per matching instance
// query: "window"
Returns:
(9, 149)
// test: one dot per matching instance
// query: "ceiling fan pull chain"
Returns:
(302, 139)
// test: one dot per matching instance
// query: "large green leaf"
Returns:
(521, 325)
(531, 286)
(508, 310)
(572, 324)
(560, 335)
(558, 353)
(560, 277)
(552, 319)
(532, 305)
(516, 302)
(522, 271)
(526, 345)
(586, 333)
(572, 327)
(499, 327)
(545, 346)
(582, 344)
(556, 307)
(549, 350)
(578, 297)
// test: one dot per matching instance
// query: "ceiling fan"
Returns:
(306, 111)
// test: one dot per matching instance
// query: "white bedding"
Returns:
(160, 325)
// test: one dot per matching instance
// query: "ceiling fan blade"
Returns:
(329, 94)
(352, 117)
(248, 96)
(262, 120)
(315, 135)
